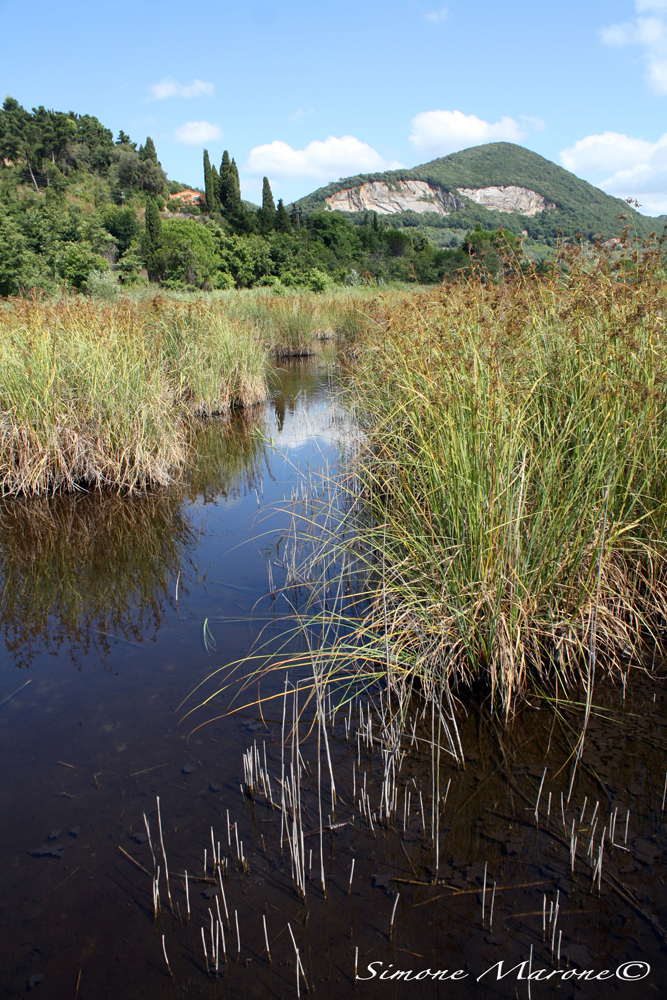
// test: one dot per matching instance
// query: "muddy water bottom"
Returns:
(94, 739)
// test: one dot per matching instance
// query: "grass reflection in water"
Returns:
(84, 568)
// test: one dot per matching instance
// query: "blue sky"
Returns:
(309, 92)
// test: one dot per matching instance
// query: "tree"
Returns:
(268, 204)
(19, 136)
(127, 165)
(19, 268)
(234, 189)
(225, 171)
(215, 184)
(98, 140)
(209, 187)
(153, 240)
(188, 253)
(124, 140)
(266, 216)
(148, 152)
(283, 224)
(122, 224)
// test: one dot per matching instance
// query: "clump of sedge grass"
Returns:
(512, 483)
(103, 396)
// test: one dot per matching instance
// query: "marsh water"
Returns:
(115, 610)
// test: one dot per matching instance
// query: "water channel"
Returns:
(115, 610)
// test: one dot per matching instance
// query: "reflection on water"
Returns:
(227, 455)
(80, 569)
(77, 567)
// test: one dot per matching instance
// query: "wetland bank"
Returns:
(400, 599)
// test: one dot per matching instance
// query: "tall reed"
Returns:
(504, 426)
(103, 396)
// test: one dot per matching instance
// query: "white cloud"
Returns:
(650, 34)
(323, 161)
(623, 166)
(609, 151)
(537, 123)
(197, 133)
(440, 132)
(437, 15)
(301, 113)
(172, 88)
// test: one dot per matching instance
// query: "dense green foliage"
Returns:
(80, 210)
(580, 207)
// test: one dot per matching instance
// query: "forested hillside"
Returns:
(80, 209)
(579, 207)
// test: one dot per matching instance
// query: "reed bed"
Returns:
(104, 396)
(510, 491)
(297, 323)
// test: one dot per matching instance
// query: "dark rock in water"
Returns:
(381, 881)
(75, 831)
(54, 834)
(35, 980)
(140, 837)
(48, 851)
(188, 769)
(210, 892)
(215, 788)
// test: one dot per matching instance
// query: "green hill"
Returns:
(577, 205)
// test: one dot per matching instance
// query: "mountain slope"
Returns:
(565, 201)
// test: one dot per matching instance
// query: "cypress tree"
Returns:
(268, 204)
(282, 219)
(208, 184)
(152, 239)
(266, 215)
(225, 171)
(215, 183)
(234, 189)
(295, 217)
(148, 152)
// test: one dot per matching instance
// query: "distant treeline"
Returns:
(83, 211)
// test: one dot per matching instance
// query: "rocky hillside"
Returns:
(498, 184)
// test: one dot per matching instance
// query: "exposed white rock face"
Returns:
(404, 196)
(508, 199)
